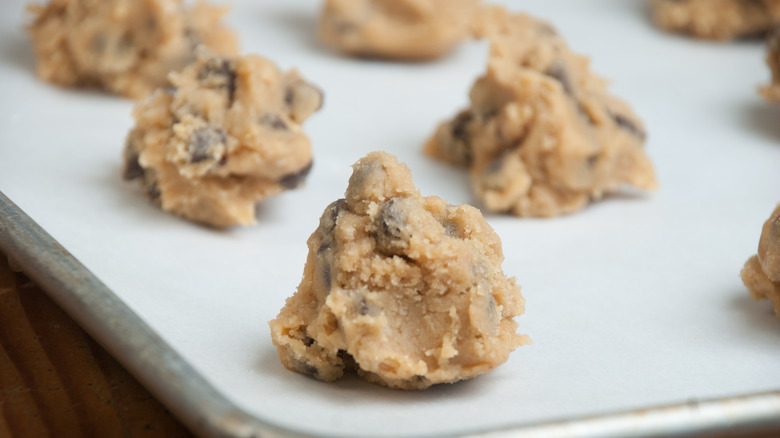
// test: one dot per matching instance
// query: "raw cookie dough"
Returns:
(124, 46)
(542, 136)
(226, 136)
(761, 273)
(772, 91)
(396, 29)
(405, 290)
(716, 19)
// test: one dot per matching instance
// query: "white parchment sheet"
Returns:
(632, 302)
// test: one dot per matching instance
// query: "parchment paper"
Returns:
(634, 301)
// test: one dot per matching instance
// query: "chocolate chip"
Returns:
(303, 99)
(273, 121)
(629, 125)
(363, 307)
(308, 341)
(390, 224)
(204, 142)
(459, 149)
(125, 43)
(558, 72)
(592, 160)
(289, 96)
(460, 126)
(219, 73)
(304, 368)
(99, 43)
(294, 180)
(496, 165)
(391, 220)
(327, 278)
(451, 230)
(132, 168)
(153, 191)
(331, 216)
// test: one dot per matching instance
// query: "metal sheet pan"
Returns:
(686, 328)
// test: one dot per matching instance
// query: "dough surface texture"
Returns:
(405, 290)
(542, 136)
(226, 135)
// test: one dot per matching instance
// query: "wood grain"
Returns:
(56, 381)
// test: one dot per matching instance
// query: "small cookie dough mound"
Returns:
(406, 291)
(226, 136)
(124, 46)
(761, 273)
(716, 19)
(396, 29)
(772, 91)
(542, 136)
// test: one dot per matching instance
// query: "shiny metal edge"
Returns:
(208, 413)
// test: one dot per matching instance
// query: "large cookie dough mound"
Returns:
(716, 19)
(124, 46)
(226, 136)
(407, 291)
(542, 136)
(761, 273)
(396, 29)
(772, 91)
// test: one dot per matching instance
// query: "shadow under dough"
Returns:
(352, 390)
(763, 118)
(759, 317)
(297, 24)
(16, 51)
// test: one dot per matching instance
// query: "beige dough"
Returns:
(542, 136)
(716, 19)
(126, 47)
(224, 137)
(772, 91)
(396, 29)
(405, 290)
(761, 273)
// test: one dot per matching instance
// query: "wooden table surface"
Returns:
(56, 381)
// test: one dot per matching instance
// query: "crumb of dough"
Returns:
(761, 273)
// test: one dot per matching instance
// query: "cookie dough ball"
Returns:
(772, 91)
(126, 47)
(542, 136)
(396, 29)
(761, 273)
(405, 290)
(224, 137)
(716, 19)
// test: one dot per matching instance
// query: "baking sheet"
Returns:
(635, 301)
